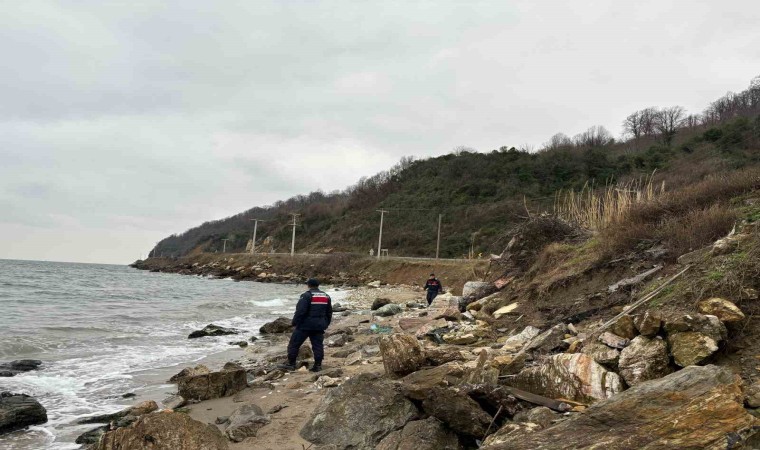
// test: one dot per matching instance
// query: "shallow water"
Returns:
(104, 330)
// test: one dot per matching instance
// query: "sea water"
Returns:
(106, 330)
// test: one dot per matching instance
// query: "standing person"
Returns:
(433, 288)
(313, 316)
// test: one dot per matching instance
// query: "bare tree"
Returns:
(648, 121)
(632, 125)
(668, 120)
(596, 136)
(559, 140)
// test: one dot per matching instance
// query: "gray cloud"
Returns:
(122, 122)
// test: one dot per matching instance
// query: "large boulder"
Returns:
(689, 348)
(477, 289)
(648, 324)
(358, 414)
(723, 309)
(245, 422)
(695, 408)
(402, 354)
(706, 324)
(164, 431)
(602, 354)
(18, 411)
(517, 342)
(212, 330)
(428, 434)
(574, 377)
(416, 385)
(189, 372)
(457, 410)
(644, 359)
(624, 327)
(548, 341)
(279, 325)
(210, 385)
(19, 366)
(391, 309)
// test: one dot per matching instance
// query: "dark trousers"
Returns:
(299, 337)
(430, 296)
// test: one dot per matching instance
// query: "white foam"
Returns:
(275, 302)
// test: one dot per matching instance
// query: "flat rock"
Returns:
(612, 340)
(678, 411)
(18, 411)
(417, 384)
(279, 325)
(575, 377)
(460, 338)
(358, 414)
(504, 310)
(140, 409)
(245, 422)
(164, 431)
(212, 330)
(517, 342)
(477, 289)
(706, 324)
(12, 368)
(723, 309)
(428, 434)
(189, 372)
(390, 309)
(643, 360)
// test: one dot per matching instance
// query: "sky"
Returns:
(124, 122)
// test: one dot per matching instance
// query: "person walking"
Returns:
(312, 317)
(433, 288)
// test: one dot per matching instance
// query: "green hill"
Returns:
(481, 196)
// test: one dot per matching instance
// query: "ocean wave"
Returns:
(268, 303)
(218, 305)
(78, 329)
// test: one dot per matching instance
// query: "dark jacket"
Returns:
(313, 312)
(433, 285)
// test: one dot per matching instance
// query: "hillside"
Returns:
(482, 196)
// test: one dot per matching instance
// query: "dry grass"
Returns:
(596, 209)
(684, 219)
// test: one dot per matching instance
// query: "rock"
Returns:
(541, 416)
(613, 340)
(707, 325)
(379, 303)
(174, 402)
(428, 434)
(354, 359)
(648, 324)
(390, 309)
(457, 410)
(643, 360)
(276, 408)
(335, 372)
(165, 431)
(279, 325)
(337, 307)
(374, 284)
(602, 354)
(477, 289)
(451, 314)
(253, 339)
(326, 382)
(213, 385)
(752, 396)
(625, 328)
(575, 377)
(416, 385)
(221, 420)
(336, 341)
(690, 347)
(245, 422)
(678, 411)
(517, 342)
(548, 341)
(92, 436)
(460, 338)
(18, 411)
(140, 409)
(510, 432)
(358, 414)
(19, 366)
(241, 344)
(725, 310)
(402, 354)
(504, 310)
(435, 356)
(189, 372)
(212, 330)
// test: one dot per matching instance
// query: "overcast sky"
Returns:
(124, 122)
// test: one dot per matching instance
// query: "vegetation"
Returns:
(481, 196)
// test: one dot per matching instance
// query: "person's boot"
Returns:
(289, 366)
(317, 367)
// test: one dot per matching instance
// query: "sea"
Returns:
(103, 331)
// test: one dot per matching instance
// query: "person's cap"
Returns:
(432, 274)
(312, 282)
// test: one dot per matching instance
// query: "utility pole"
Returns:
(438, 242)
(224, 247)
(293, 242)
(253, 240)
(380, 238)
